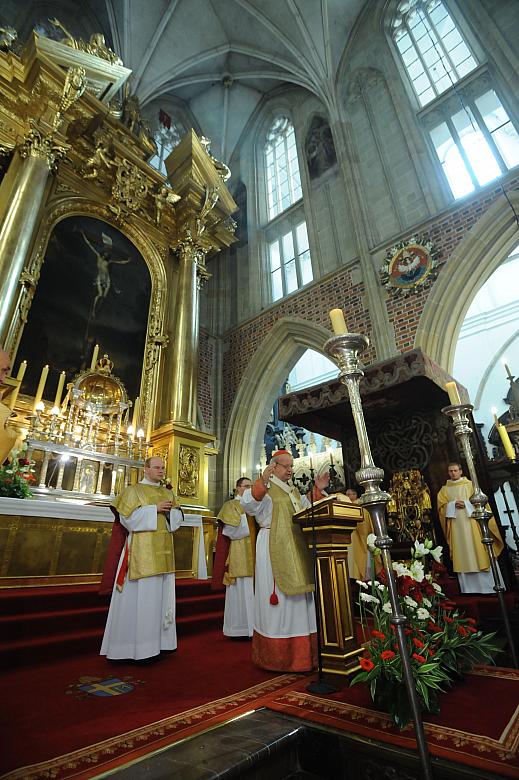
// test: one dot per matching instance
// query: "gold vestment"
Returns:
(8, 436)
(462, 532)
(151, 552)
(240, 560)
(289, 555)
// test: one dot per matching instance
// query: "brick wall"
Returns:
(311, 304)
(338, 291)
(446, 232)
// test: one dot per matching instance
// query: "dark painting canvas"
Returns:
(94, 288)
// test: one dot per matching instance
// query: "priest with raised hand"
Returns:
(469, 555)
(141, 619)
(284, 638)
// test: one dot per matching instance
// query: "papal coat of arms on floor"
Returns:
(408, 265)
(88, 686)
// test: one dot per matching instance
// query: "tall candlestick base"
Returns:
(344, 349)
(459, 414)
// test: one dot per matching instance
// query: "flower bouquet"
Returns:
(442, 642)
(16, 477)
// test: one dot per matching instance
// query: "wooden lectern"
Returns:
(328, 525)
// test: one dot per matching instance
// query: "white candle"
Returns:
(41, 385)
(338, 322)
(19, 376)
(505, 441)
(94, 357)
(21, 370)
(454, 396)
(59, 389)
(136, 410)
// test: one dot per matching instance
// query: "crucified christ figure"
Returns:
(103, 282)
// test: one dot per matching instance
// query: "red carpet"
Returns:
(478, 724)
(46, 715)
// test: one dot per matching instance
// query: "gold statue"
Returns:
(96, 45)
(100, 159)
(8, 36)
(163, 196)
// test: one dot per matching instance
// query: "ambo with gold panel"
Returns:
(328, 527)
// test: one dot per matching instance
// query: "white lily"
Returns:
(437, 553)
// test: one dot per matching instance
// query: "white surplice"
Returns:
(141, 618)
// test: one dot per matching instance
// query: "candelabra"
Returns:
(344, 350)
(459, 413)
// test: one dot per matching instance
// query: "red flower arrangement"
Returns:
(442, 642)
(16, 477)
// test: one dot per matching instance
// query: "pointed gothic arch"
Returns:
(288, 339)
(474, 260)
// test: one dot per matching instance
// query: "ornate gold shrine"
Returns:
(68, 152)
(409, 510)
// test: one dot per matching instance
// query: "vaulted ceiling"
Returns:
(218, 56)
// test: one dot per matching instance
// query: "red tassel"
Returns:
(274, 596)
(123, 568)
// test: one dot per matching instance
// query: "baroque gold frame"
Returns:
(154, 255)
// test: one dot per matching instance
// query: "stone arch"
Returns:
(473, 261)
(288, 339)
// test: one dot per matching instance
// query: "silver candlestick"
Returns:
(344, 350)
(459, 413)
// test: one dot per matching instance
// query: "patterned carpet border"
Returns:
(478, 750)
(94, 759)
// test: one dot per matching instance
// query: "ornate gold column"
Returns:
(21, 202)
(203, 226)
(186, 333)
(22, 191)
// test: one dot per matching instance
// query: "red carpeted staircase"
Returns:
(37, 624)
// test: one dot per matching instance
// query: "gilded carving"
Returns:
(163, 197)
(38, 144)
(102, 157)
(188, 470)
(96, 45)
(224, 172)
(73, 88)
(155, 339)
(130, 186)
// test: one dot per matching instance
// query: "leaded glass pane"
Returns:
(305, 268)
(277, 285)
(275, 260)
(290, 276)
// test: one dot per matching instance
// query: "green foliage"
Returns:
(16, 477)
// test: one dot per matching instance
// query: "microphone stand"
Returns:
(319, 685)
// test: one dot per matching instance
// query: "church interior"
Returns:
(231, 229)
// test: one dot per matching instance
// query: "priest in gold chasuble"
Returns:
(285, 632)
(141, 619)
(469, 555)
(239, 530)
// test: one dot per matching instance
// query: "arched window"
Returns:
(282, 166)
(433, 50)
(469, 127)
(286, 237)
(166, 139)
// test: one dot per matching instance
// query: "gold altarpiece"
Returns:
(67, 152)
